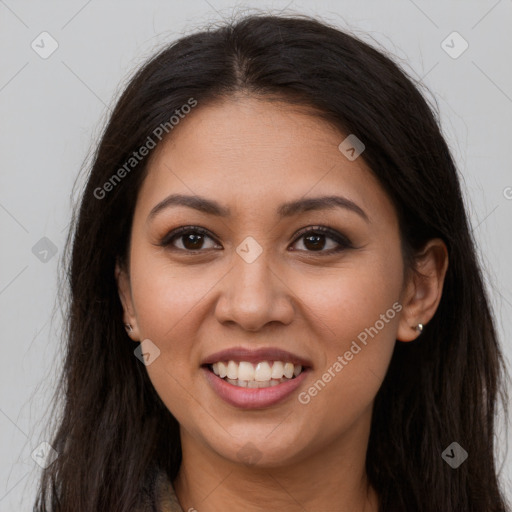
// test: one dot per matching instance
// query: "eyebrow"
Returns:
(289, 209)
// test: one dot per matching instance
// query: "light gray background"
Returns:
(53, 109)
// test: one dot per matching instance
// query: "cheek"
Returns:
(165, 295)
(167, 305)
(357, 311)
(171, 302)
(344, 301)
(354, 363)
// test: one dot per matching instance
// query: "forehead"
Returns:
(252, 153)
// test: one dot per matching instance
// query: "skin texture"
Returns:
(251, 156)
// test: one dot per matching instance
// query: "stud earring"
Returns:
(419, 328)
(129, 327)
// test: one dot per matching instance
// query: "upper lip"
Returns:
(255, 356)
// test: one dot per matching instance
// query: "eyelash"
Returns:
(343, 241)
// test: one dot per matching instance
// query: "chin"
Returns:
(259, 451)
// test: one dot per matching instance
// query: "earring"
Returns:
(419, 328)
(129, 327)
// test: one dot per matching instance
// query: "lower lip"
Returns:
(253, 398)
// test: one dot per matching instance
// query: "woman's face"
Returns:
(260, 278)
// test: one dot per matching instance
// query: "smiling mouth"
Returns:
(263, 374)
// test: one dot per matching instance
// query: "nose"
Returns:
(254, 295)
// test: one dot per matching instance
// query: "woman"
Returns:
(274, 217)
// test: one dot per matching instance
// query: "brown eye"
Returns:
(189, 237)
(315, 240)
(192, 241)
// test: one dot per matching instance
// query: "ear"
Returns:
(125, 295)
(422, 293)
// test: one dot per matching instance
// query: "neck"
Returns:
(330, 478)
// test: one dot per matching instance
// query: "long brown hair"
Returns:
(114, 432)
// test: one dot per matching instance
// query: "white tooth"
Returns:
(262, 372)
(252, 384)
(288, 370)
(277, 370)
(222, 369)
(232, 371)
(283, 380)
(232, 381)
(274, 382)
(242, 383)
(215, 368)
(245, 371)
(297, 369)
